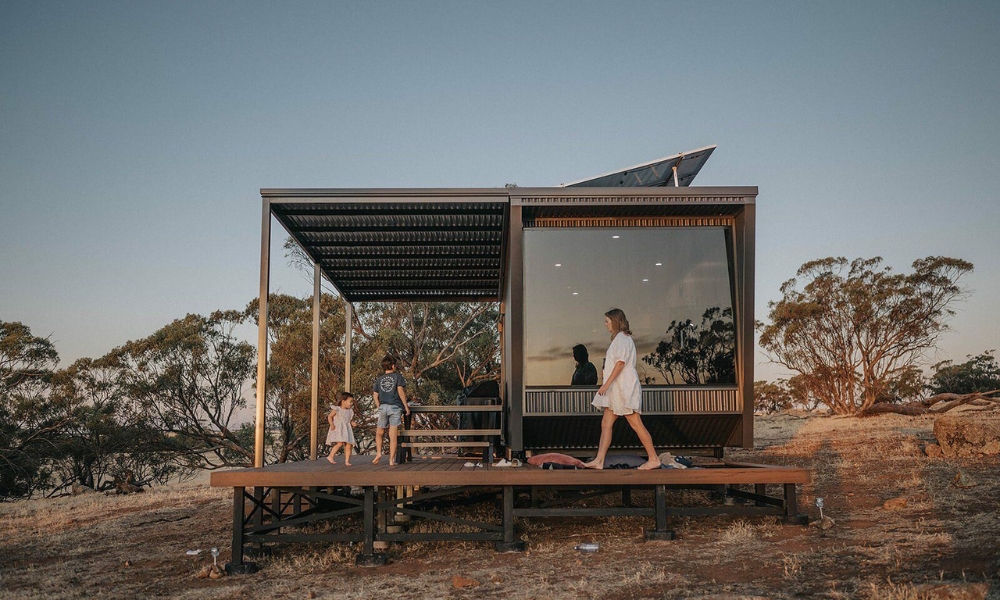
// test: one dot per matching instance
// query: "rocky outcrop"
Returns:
(968, 433)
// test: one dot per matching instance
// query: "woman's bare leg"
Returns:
(635, 420)
(607, 423)
(348, 448)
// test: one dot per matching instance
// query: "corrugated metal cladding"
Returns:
(403, 250)
(583, 432)
(603, 207)
(668, 400)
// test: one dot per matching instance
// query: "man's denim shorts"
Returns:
(389, 415)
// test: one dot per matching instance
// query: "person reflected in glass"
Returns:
(621, 394)
(586, 372)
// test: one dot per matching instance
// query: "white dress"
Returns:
(341, 430)
(624, 396)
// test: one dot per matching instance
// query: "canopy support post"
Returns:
(314, 415)
(265, 268)
(348, 330)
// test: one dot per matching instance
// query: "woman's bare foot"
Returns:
(347, 464)
(377, 458)
(392, 463)
(649, 464)
(594, 465)
(330, 458)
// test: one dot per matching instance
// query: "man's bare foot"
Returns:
(649, 464)
(594, 465)
(377, 458)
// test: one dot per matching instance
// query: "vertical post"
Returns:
(369, 524)
(238, 510)
(792, 506)
(314, 416)
(276, 507)
(745, 242)
(265, 267)
(660, 511)
(508, 514)
(507, 543)
(368, 558)
(514, 328)
(348, 331)
(661, 507)
(677, 183)
(761, 490)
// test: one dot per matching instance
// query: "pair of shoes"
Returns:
(503, 462)
(472, 464)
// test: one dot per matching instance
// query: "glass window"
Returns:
(673, 284)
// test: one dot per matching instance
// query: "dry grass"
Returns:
(78, 547)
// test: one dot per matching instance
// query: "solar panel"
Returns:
(657, 173)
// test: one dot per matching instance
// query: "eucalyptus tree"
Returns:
(30, 419)
(854, 331)
(192, 378)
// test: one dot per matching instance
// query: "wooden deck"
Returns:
(280, 503)
(444, 471)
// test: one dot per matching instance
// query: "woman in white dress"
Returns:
(621, 395)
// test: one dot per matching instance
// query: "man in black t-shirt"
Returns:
(390, 399)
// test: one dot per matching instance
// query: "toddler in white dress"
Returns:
(341, 419)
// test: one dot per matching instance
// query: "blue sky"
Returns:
(134, 137)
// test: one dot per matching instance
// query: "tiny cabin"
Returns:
(678, 259)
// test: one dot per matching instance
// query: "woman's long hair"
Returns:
(618, 322)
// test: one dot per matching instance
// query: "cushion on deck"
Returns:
(555, 458)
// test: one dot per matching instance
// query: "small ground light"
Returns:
(659, 264)
(576, 293)
(615, 237)
(215, 556)
(645, 280)
(819, 505)
(558, 264)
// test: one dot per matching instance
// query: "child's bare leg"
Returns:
(333, 452)
(647, 441)
(607, 423)
(379, 432)
(348, 448)
(393, 435)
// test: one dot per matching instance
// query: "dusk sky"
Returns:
(135, 136)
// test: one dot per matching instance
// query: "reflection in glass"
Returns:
(673, 283)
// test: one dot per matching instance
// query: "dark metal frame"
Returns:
(269, 513)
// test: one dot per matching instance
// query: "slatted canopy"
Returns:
(401, 245)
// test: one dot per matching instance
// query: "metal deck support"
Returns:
(660, 511)
(792, 516)
(368, 557)
(236, 566)
(509, 544)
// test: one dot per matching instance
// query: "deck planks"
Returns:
(451, 471)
